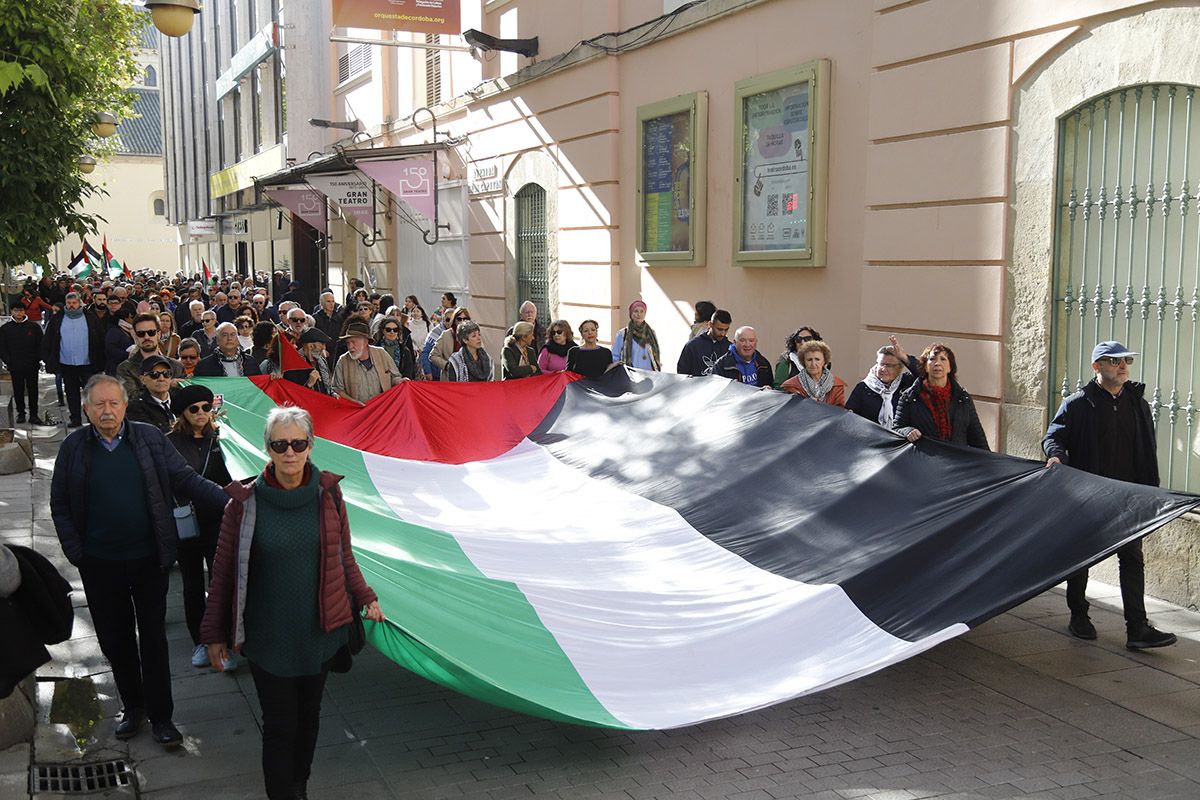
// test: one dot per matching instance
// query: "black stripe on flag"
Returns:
(920, 537)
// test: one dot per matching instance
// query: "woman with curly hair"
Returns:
(816, 381)
(937, 406)
(788, 364)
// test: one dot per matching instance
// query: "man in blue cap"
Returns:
(1106, 429)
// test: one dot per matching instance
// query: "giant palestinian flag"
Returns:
(651, 551)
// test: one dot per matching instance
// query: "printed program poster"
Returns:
(666, 183)
(775, 177)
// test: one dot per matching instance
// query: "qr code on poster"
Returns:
(772, 205)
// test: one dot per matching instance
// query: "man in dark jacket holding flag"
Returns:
(1106, 429)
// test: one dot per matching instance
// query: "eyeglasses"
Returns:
(889, 365)
(559, 333)
(391, 330)
(1116, 360)
(182, 357)
(114, 299)
(159, 375)
(196, 409)
(208, 320)
(246, 325)
(805, 338)
(296, 320)
(145, 334)
(281, 445)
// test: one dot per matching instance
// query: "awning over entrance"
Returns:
(344, 160)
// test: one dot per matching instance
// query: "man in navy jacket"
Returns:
(1106, 429)
(112, 502)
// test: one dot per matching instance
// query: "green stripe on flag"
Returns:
(448, 622)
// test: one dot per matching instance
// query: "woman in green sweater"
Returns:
(285, 587)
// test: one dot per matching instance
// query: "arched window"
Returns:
(160, 207)
(533, 274)
(151, 78)
(1127, 256)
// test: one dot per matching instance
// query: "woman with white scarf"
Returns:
(876, 395)
(816, 381)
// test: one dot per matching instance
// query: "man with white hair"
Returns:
(112, 497)
(228, 360)
(743, 363)
(330, 316)
(194, 323)
(529, 313)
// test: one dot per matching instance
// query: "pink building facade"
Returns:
(949, 210)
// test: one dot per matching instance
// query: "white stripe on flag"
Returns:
(665, 627)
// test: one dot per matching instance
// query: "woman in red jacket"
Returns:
(35, 306)
(285, 536)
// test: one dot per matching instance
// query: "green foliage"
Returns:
(60, 62)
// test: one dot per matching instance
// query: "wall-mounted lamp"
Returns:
(482, 41)
(173, 17)
(104, 124)
(354, 125)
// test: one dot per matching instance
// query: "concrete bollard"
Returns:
(18, 714)
(14, 459)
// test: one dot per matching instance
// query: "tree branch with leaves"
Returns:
(61, 61)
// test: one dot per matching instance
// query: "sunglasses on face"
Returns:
(296, 320)
(281, 445)
(391, 330)
(145, 334)
(209, 321)
(246, 325)
(188, 358)
(196, 409)
(159, 375)
(805, 339)
(1116, 360)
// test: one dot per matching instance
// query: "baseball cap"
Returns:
(1111, 350)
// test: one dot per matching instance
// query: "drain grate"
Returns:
(80, 778)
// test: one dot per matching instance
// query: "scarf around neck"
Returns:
(471, 369)
(644, 335)
(819, 388)
(886, 391)
(73, 313)
(558, 349)
(938, 400)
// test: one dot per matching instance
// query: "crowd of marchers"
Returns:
(265, 562)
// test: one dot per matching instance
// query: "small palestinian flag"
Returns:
(209, 278)
(654, 551)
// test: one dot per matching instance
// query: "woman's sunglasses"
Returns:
(281, 445)
(196, 409)
(391, 330)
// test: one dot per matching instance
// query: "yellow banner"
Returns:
(242, 174)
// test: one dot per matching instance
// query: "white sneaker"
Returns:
(200, 656)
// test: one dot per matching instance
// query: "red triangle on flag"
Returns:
(104, 249)
(289, 356)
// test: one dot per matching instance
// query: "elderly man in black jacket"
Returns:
(228, 360)
(1106, 429)
(111, 499)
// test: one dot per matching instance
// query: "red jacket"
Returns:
(226, 593)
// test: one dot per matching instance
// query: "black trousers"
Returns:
(291, 709)
(128, 603)
(1132, 570)
(74, 379)
(25, 385)
(194, 557)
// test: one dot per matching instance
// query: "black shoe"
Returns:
(61, 402)
(20, 417)
(1148, 636)
(166, 734)
(131, 720)
(1081, 627)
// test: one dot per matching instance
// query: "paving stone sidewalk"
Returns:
(1014, 709)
